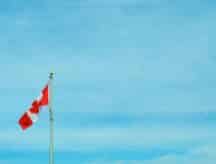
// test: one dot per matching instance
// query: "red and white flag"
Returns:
(31, 116)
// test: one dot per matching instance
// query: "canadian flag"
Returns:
(31, 116)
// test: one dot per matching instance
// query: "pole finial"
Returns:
(51, 75)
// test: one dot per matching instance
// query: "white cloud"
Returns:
(203, 154)
(130, 138)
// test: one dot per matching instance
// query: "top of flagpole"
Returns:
(51, 75)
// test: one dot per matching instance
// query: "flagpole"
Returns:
(51, 121)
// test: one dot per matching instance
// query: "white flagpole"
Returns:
(51, 119)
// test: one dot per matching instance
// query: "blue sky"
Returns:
(135, 80)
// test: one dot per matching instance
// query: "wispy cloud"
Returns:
(135, 137)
